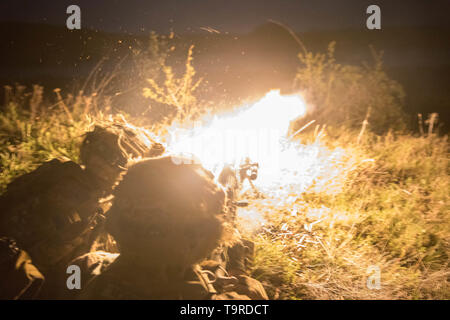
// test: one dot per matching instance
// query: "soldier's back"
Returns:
(58, 191)
(45, 210)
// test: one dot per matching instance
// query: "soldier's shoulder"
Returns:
(60, 163)
(46, 173)
(62, 167)
(52, 177)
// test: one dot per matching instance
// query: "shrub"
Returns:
(347, 94)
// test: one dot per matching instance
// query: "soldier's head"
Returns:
(166, 212)
(106, 150)
(102, 154)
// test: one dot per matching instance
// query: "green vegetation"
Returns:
(386, 204)
(391, 212)
(32, 132)
(391, 209)
(345, 94)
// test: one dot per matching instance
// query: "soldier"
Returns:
(237, 256)
(54, 213)
(166, 218)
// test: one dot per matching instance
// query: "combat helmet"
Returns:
(167, 211)
(106, 150)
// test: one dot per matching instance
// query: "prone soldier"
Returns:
(54, 214)
(236, 256)
(166, 218)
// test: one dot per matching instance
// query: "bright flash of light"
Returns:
(260, 132)
(253, 131)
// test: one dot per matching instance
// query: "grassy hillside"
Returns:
(377, 197)
(391, 211)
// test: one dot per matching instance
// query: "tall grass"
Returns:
(392, 212)
(177, 92)
(391, 209)
(33, 131)
(344, 94)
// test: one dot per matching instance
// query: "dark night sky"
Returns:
(226, 15)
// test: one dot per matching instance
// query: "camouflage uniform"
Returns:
(110, 279)
(54, 212)
(237, 256)
(166, 218)
(205, 281)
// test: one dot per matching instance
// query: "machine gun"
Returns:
(232, 179)
(248, 171)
